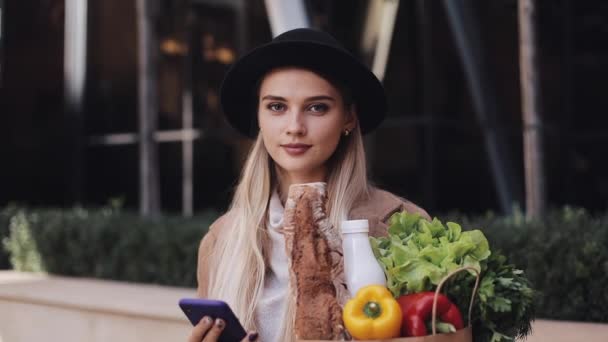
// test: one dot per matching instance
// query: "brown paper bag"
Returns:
(462, 335)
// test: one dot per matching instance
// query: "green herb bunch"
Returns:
(417, 254)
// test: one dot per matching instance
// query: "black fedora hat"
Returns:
(308, 48)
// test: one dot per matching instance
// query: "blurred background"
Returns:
(70, 128)
(115, 155)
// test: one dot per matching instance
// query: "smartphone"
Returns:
(196, 308)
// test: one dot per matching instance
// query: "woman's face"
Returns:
(301, 117)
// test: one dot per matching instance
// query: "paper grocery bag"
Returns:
(462, 335)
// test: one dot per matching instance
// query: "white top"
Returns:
(271, 306)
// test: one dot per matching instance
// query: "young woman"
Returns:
(307, 102)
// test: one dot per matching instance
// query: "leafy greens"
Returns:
(417, 254)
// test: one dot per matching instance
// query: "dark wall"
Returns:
(31, 121)
(441, 166)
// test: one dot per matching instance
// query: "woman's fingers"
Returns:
(214, 333)
(208, 330)
(199, 330)
(251, 336)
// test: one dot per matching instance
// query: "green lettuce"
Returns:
(417, 254)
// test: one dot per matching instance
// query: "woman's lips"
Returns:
(296, 149)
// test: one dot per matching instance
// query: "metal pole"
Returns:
(378, 32)
(285, 15)
(187, 124)
(149, 192)
(468, 42)
(385, 36)
(567, 92)
(424, 13)
(75, 67)
(1, 41)
(241, 26)
(530, 98)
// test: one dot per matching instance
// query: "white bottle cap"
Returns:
(355, 226)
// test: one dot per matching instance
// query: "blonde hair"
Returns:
(239, 257)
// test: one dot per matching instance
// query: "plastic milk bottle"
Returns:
(360, 265)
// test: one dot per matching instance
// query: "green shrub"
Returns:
(565, 255)
(5, 218)
(107, 243)
(22, 246)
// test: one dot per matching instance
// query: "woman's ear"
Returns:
(351, 118)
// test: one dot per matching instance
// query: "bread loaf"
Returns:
(315, 260)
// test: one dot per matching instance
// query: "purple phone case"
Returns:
(195, 309)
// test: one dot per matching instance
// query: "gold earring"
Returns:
(346, 132)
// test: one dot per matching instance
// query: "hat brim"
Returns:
(237, 91)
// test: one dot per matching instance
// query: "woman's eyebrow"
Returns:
(320, 97)
(274, 98)
(312, 98)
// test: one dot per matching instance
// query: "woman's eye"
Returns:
(276, 107)
(318, 108)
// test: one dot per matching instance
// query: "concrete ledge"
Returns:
(37, 307)
(564, 331)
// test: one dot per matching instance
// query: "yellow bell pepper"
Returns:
(373, 314)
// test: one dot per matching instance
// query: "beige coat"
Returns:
(378, 209)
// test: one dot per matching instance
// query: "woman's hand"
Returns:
(208, 330)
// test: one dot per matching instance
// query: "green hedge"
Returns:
(565, 255)
(5, 217)
(105, 243)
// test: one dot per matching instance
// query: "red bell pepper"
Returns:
(417, 310)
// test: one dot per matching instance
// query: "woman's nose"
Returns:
(296, 125)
